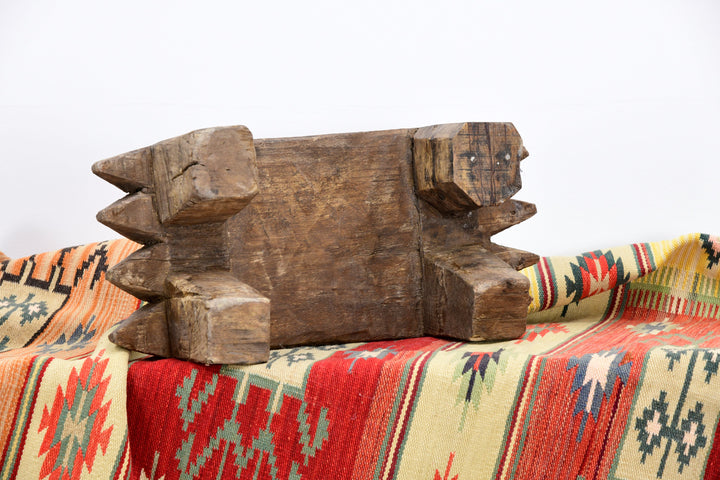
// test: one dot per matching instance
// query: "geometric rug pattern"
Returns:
(617, 376)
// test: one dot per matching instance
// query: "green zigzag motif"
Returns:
(321, 433)
(230, 433)
(190, 410)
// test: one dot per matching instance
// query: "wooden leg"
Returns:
(471, 294)
(214, 318)
(181, 193)
(466, 175)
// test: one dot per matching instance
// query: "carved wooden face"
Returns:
(461, 167)
(486, 162)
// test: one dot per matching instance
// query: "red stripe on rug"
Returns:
(547, 283)
(643, 258)
(397, 438)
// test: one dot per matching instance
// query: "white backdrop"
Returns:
(618, 102)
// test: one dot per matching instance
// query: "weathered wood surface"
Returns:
(180, 194)
(202, 318)
(471, 294)
(332, 238)
(464, 166)
(259, 244)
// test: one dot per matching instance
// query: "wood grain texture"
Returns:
(332, 237)
(471, 294)
(143, 272)
(130, 172)
(205, 176)
(145, 331)
(471, 289)
(257, 244)
(134, 217)
(182, 191)
(515, 258)
(492, 220)
(214, 317)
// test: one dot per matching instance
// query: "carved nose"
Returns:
(523, 153)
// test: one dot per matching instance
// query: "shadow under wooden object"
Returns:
(257, 244)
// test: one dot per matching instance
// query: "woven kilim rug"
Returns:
(615, 377)
(62, 383)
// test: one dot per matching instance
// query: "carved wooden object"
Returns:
(251, 245)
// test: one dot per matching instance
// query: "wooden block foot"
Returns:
(470, 294)
(213, 318)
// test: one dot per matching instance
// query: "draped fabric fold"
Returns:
(616, 377)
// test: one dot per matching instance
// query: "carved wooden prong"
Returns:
(134, 217)
(214, 318)
(464, 166)
(143, 273)
(129, 172)
(524, 153)
(144, 331)
(471, 294)
(492, 220)
(517, 259)
(204, 176)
